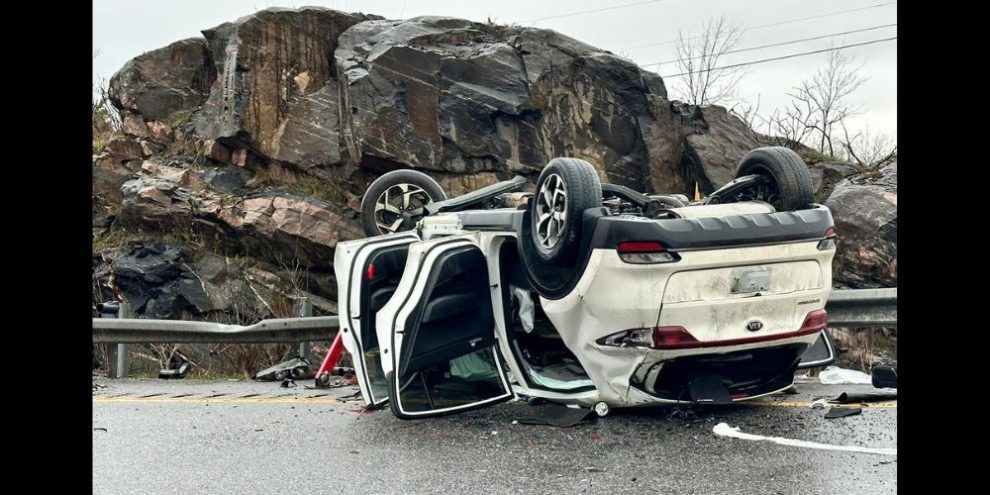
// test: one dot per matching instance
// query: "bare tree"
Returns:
(704, 81)
(747, 112)
(106, 117)
(867, 149)
(823, 101)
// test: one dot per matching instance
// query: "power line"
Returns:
(782, 43)
(778, 23)
(603, 9)
(793, 55)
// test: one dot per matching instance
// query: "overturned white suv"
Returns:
(584, 292)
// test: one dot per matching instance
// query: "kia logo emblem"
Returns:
(754, 325)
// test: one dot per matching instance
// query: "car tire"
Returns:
(556, 237)
(418, 188)
(795, 189)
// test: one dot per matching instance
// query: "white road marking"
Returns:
(724, 430)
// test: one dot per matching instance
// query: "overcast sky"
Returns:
(123, 29)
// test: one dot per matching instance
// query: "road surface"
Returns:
(234, 437)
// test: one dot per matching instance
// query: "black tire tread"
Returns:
(788, 169)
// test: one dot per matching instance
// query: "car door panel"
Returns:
(368, 272)
(441, 329)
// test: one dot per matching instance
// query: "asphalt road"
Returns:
(235, 437)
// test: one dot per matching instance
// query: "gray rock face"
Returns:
(715, 142)
(276, 91)
(865, 212)
(455, 96)
(165, 84)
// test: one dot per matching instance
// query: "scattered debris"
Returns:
(287, 383)
(842, 412)
(555, 415)
(834, 375)
(99, 428)
(884, 377)
(682, 414)
(592, 469)
(351, 396)
(355, 452)
(296, 368)
(819, 404)
(174, 373)
(863, 398)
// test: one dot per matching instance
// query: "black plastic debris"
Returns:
(884, 377)
(862, 398)
(842, 412)
(287, 382)
(174, 373)
(554, 415)
(295, 368)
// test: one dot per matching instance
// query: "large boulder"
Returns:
(166, 84)
(865, 212)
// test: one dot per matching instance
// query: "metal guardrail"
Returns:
(846, 308)
(134, 331)
(862, 308)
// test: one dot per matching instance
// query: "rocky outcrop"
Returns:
(164, 281)
(275, 225)
(865, 212)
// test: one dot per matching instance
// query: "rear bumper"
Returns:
(746, 374)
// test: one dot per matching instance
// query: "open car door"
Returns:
(437, 333)
(368, 272)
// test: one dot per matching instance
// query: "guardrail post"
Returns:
(303, 308)
(123, 350)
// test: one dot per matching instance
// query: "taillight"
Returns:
(644, 252)
(672, 338)
(816, 320)
(829, 241)
(655, 338)
(371, 272)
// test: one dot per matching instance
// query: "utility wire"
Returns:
(784, 57)
(603, 9)
(778, 23)
(782, 43)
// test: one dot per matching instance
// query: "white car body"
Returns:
(699, 291)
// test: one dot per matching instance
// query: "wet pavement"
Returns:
(185, 436)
